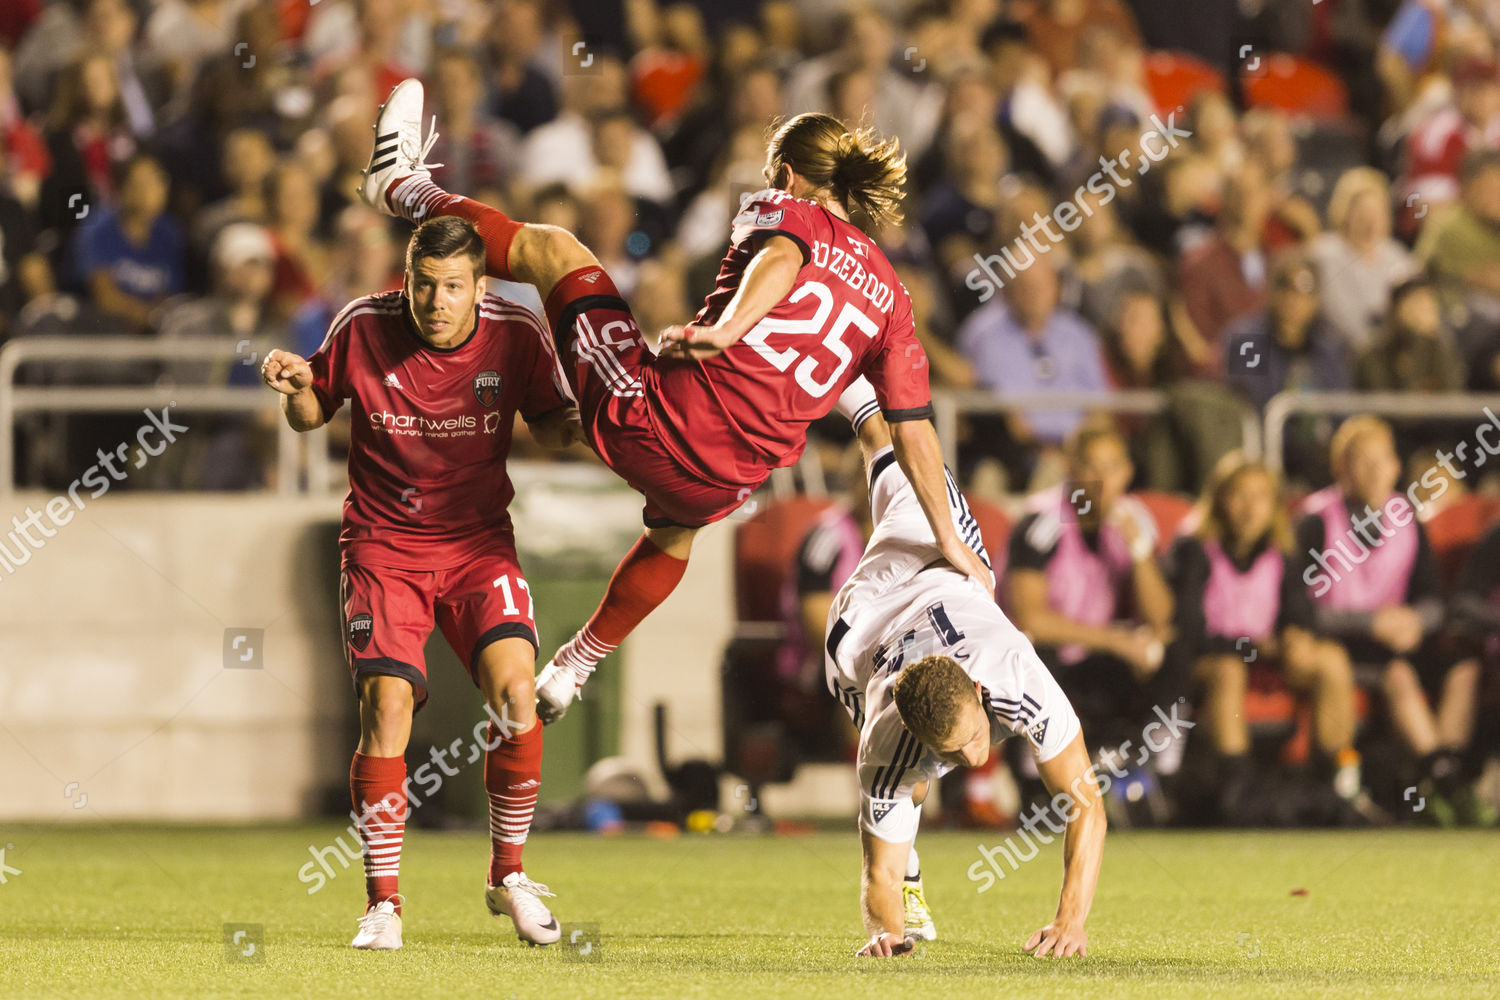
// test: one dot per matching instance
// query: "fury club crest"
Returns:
(487, 388)
(361, 628)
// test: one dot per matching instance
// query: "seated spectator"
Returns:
(301, 255)
(475, 150)
(248, 160)
(109, 30)
(24, 272)
(1358, 260)
(1240, 599)
(1109, 263)
(564, 149)
(1376, 590)
(1271, 143)
(958, 213)
(87, 139)
(1056, 28)
(668, 69)
(1023, 341)
(1462, 248)
(521, 90)
(1437, 146)
(1415, 352)
(21, 143)
(223, 453)
(1288, 345)
(1083, 583)
(1223, 278)
(129, 257)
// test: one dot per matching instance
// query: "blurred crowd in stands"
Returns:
(1216, 200)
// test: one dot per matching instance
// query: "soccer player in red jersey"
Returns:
(804, 304)
(435, 373)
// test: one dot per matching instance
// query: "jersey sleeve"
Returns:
(1023, 696)
(773, 213)
(330, 363)
(888, 776)
(543, 391)
(897, 369)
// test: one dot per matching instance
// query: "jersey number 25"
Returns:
(832, 339)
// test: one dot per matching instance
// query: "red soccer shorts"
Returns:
(604, 359)
(389, 613)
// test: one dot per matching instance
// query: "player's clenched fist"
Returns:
(886, 945)
(286, 372)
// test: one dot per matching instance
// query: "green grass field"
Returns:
(139, 911)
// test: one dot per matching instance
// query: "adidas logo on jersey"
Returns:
(592, 276)
(392, 382)
(528, 783)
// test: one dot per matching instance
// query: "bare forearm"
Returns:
(1152, 594)
(767, 280)
(1083, 855)
(921, 458)
(302, 411)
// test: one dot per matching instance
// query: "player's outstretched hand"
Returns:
(286, 372)
(1059, 939)
(886, 945)
(967, 561)
(695, 343)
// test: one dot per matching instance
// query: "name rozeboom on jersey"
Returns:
(847, 268)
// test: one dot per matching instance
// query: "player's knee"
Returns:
(389, 700)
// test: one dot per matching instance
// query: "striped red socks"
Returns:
(645, 577)
(512, 777)
(417, 198)
(377, 788)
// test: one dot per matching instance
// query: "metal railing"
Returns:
(949, 404)
(16, 400)
(1397, 406)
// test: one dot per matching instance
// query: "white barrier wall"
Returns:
(123, 694)
(115, 698)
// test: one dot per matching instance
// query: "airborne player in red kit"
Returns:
(805, 303)
(435, 373)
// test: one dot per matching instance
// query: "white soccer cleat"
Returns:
(919, 923)
(400, 150)
(520, 899)
(380, 927)
(556, 687)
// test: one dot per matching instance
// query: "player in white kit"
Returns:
(933, 674)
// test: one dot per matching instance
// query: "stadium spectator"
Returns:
(87, 138)
(1438, 145)
(1240, 599)
(1224, 278)
(1358, 260)
(1288, 345)
(224, 453)
(110, 31)
(1474, 625)
(959, 211)
(670, 66)
(475, 150)
(1462, 249)
(301, 255)
(1109, 264)
(180, 35)
(1023, 341)
(25, 273)
(129, 257)
(1083, 582)
(521, 90)
(249, 159)
(1415, 352)
(725, 107)
(1056, 28)
(1376, 590)
(903, 104)
(21, 142)
(1271, 143)
(566, 148)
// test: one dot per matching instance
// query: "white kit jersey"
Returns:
(893, 612)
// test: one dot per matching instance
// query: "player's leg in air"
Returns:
(570, 279)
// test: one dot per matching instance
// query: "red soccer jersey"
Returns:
(431, 427)
(732, 418)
